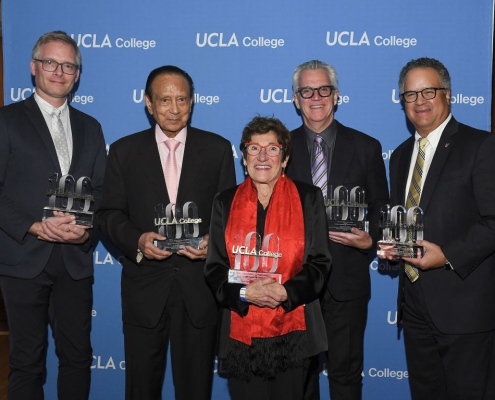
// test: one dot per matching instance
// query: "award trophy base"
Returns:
(400, 249)
(247, 277)
(346, 226)
(82, 217)
(175, 245)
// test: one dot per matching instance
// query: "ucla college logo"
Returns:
(90, 40)
(351, 38)
(221, 39)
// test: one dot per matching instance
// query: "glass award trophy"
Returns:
(70, 197)
(346, 209)
(179, 226)
(401, 229)
(255, 259)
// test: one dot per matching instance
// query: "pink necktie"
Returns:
(171, 170)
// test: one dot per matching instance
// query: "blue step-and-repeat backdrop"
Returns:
(241, 56)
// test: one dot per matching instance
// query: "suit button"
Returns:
(176, 269)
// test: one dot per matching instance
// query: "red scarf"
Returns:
(285, 220)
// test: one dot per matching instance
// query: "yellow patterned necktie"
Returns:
(414, 195)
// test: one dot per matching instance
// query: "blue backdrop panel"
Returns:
(241, 57)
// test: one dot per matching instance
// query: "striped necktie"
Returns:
(319, 164)
(414, 195)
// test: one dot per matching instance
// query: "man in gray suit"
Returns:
(46, 266)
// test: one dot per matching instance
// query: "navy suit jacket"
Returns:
(458, 200)
(27, 159)
(134, 186)
(357, 161)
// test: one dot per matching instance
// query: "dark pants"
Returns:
(52, 297)
(441, 366)
(345, 323)
(192, 351)
(288, 385)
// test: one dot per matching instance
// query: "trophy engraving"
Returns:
(346, 209)
(179, 226)
(70, 197)
(255, 259)
(401, 229)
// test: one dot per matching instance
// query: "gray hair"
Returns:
(425, 62)
(314, 65)
(56, 36)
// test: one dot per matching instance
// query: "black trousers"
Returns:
(441, 366)
(288, 385)
(31, 304)
(345, 323)
(192, 352)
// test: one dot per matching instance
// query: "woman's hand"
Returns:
(266, 293)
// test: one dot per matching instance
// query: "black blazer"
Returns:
(304, 288)
(357, 161)
(27, 159)
(458, 199)
(134, 186)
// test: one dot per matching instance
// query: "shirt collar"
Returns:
(434, 136)
(161, 137)
(47, 107)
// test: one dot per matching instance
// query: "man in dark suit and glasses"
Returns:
(446, 301)
(46, 267)
(164, 295)
(352, 158)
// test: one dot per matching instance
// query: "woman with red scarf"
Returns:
(267, 263)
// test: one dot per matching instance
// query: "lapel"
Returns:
(190, 164)
(403, 170)
(447, 141)
(76, 126)
(299, 166)
(152, 167)
(35, 115)
(342, 157)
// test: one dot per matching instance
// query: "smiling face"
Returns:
(170, 104)
(426, 115)
(262, 169)
(317, 112)
(54, 87)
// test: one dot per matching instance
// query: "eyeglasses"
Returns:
(428, 93)
(52, 66)
(307, 92)
(272, 150)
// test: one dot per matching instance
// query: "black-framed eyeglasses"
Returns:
(307, 92)
(428, 93)
(272, 150)
(52, 66)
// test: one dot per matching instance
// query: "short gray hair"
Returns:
(56, 36)
(314, 65)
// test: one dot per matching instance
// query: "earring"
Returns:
(245, 170)
(283, 172)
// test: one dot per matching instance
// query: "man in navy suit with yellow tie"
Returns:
(446, 299)
(46, 267)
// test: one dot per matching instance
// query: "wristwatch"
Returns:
(242, 294)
